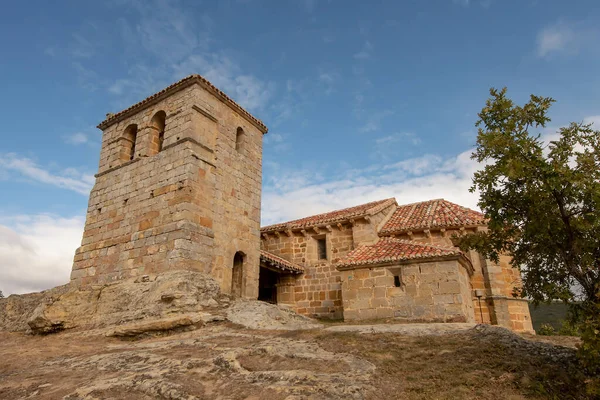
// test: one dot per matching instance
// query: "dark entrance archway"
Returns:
(267, 285)
(237, 274)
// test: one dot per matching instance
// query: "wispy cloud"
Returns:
(594, 120)
(81, 47)
(566, 38)
(328, 79)
(298, 193)
(373, 121)
(467, 3)
(277, 142)
(36, 251)
(365, 52)
(386, 147)
(77, 138)
(24, 167)
(223, 72)
(463, 3)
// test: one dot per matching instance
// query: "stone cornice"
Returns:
(177, 86)
(180, 141)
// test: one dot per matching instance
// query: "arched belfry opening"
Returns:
(240, 138)
(237, 274)
(128, 143)
(158, 124)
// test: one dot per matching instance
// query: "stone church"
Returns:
(179, 187)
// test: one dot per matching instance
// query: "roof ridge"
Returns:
(421, 202)
(373, 205)
(414, 242)
(431, 214)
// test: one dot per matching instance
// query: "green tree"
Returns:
(542, 203)
(1, 294)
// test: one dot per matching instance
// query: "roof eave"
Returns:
(459, 257)
(429, 228)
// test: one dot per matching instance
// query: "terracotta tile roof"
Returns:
(388, 250)
(185, 82)
(437, 213)
(280, 263)
(333, 216)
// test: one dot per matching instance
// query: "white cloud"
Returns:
(223, 72)
(76, 139)
(295, 194)
(566, 38)
(399, 137)
(554, 38)
(162, 42)
(328, 79)
(594, 119)
(71, 179)
(36, 251)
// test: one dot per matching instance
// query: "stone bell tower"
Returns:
(178, 187)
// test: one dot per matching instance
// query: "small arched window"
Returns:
(158, 125)
(240, 138)
(128, 147)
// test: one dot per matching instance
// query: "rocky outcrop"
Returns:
(148, 298)
(166, 302)
(261, 315)
(17, 309)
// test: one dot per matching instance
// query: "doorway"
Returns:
(237, 274)
(267, 285)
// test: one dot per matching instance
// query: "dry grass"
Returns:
(456, 367)
(459, 366)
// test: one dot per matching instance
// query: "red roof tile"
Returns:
(185, 82)
(280, 263)
(437, 213)
(333, 216)
(388, 250)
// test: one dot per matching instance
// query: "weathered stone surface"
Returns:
(164, 324)
(261, 315)
(15, 310)
(130, 301)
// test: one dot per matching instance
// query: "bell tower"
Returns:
(178, 187)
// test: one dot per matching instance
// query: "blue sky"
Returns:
(363, 100)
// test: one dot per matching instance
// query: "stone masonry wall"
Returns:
(431, 292)
(191, 206)
(317, 292)
(494, 281)
(367, 232)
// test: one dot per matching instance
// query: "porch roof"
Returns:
(279, 263)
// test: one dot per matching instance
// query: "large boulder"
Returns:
(146, 298)
(16, 309)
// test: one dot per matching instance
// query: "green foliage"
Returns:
(1, 294)
(589, 351)
(542, 203)
(568, 328)
(546, 330)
